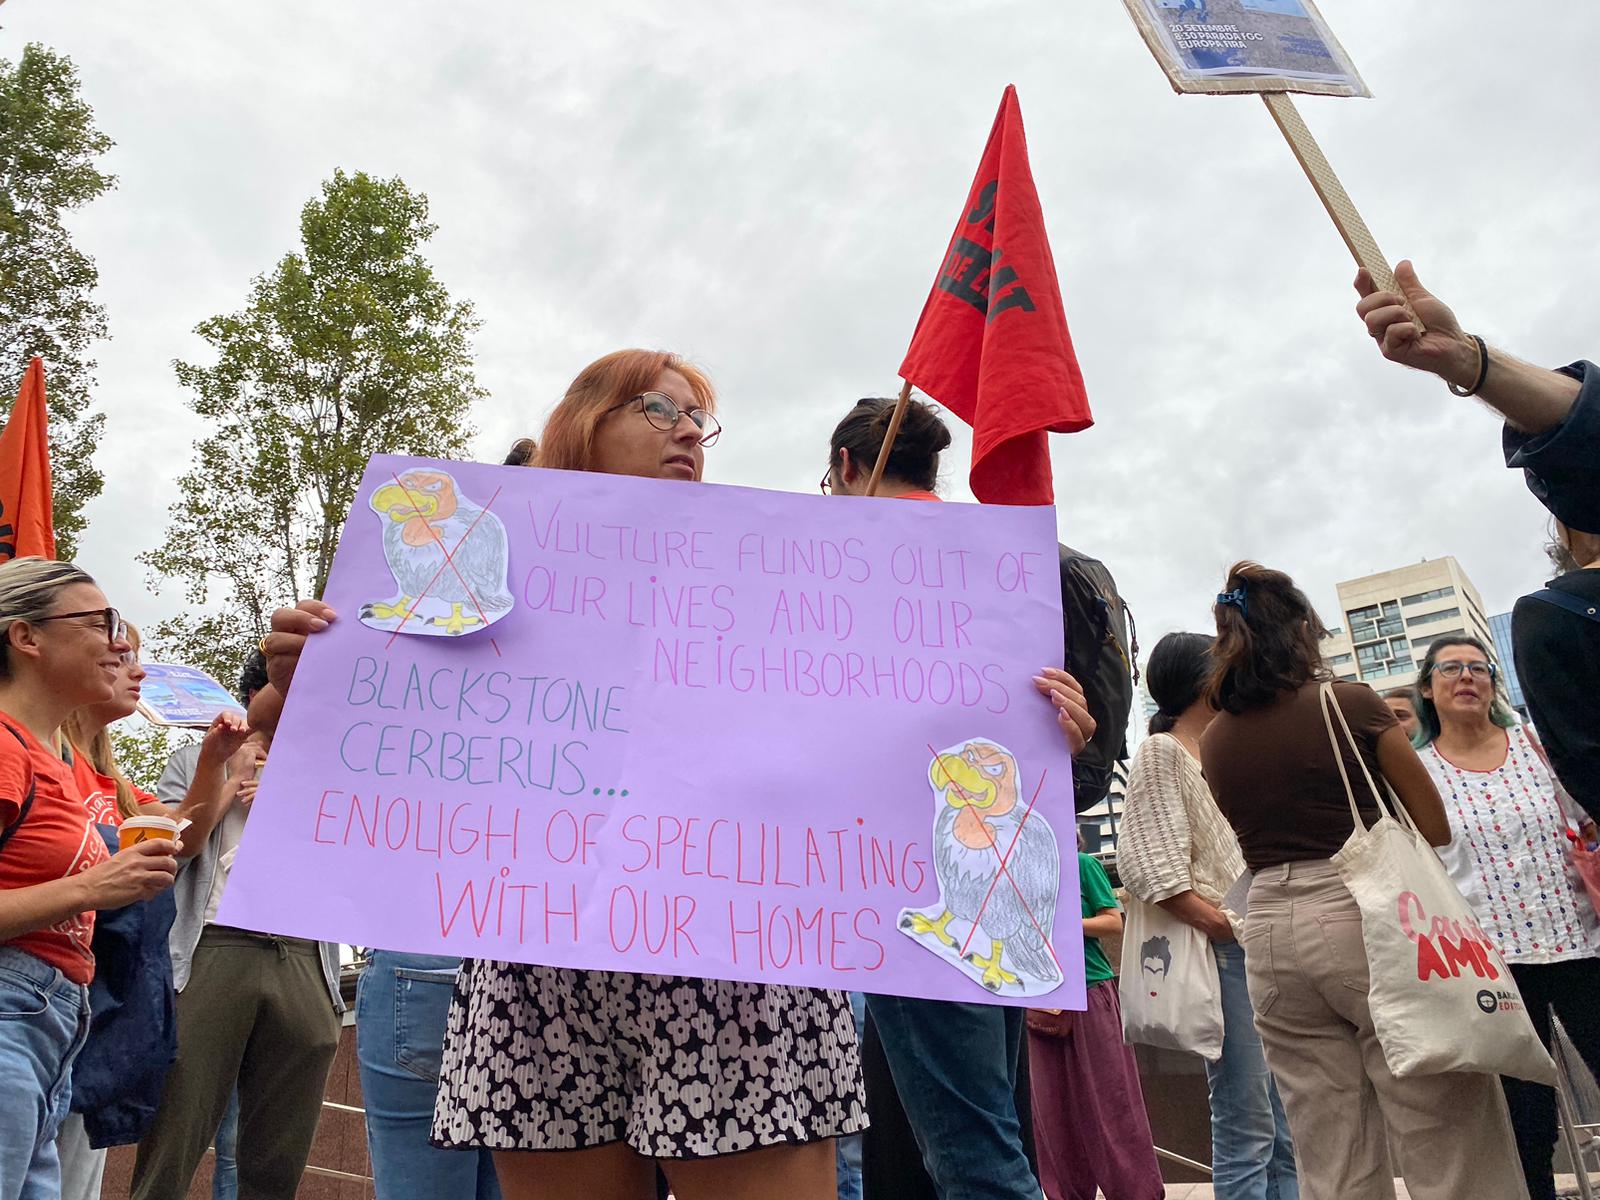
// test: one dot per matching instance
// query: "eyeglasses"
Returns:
(109, 620)
(661, 412)
(1452, 669)
(827, 483)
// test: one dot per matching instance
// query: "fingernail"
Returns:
(318, 624)
(1041, 681)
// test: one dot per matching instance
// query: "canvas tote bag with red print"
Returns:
(1441, 996)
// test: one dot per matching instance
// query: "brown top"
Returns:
(1272, 772)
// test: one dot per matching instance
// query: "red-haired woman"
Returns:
(1269, 762)
(702, 1077)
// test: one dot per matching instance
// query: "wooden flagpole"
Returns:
(888, 440)
(1363, 246)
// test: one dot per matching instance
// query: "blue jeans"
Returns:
(1251, 1155)
(44, 1019)
(955, 1068)
(225, 1167)
(849, 1148)
(401, 1005)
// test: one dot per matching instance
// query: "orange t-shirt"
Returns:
(56, 840)
(100, 791)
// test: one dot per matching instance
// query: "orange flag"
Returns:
(26, 526)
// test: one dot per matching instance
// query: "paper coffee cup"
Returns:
(146, 829)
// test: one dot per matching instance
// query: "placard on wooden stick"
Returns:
(1270, 47)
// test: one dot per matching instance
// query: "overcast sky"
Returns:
(769, 188)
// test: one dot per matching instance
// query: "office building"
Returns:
(1386, 621)
(1500, 626)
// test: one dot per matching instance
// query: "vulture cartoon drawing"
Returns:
(981, 818)
(425, 516)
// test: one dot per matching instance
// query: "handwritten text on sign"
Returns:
(682, 729)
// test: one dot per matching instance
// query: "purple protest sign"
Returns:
(682, 729)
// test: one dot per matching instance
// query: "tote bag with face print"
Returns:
(1442, 998)
(1171, 996)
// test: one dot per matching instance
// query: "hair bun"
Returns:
(521, 452)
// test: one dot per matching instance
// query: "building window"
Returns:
(1339, 660)
(1444, 614)
(1421, 597)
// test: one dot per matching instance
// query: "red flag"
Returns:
(992, 344)
(26, 526)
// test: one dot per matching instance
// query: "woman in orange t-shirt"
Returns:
(60, 648)
(111, 1103)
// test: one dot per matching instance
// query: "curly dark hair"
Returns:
(1267, 646)
(252, 676)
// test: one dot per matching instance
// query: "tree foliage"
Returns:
(48, 147)
(347, 348)
(142, 752)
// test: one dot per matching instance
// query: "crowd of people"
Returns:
(130, 1014)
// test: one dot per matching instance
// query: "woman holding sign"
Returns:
(703, 1077)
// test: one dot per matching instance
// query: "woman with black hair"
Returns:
(1271, 766)
(1510, 859)
(955, 1066)
(1175, 849)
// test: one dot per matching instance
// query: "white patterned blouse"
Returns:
(1509, 855)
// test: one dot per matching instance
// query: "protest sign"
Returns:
(1245, 46)
(1271, 47)
(183, 696)
(681, 729)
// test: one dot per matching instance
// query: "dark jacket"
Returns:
(133, 1023)
(1558, 661)
(1562, 465)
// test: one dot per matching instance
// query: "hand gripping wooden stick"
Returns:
(1363, 246)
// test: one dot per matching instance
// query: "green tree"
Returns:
(347, 348)
(142, 753)
(48, 148)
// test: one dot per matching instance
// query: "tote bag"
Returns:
(1171, 996)
(1442, 998)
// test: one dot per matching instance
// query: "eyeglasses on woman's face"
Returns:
(107, 620)
(663, 413)
(1451, 668)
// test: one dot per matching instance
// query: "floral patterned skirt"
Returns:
(546, 1058)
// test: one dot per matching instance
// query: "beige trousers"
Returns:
(1307, 970)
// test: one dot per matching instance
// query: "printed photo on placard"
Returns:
(183, 696)
(1246, 46)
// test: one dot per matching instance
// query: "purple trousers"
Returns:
(1088, 1112)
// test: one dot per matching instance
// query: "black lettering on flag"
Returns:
(966, 274)
(1017, 297)
(984, 209)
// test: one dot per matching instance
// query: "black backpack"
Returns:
(1102, 647)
